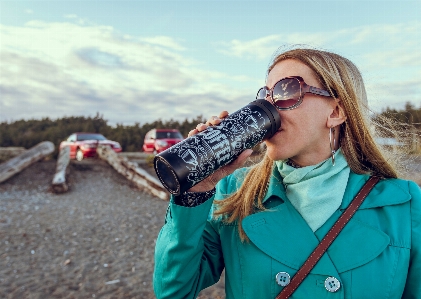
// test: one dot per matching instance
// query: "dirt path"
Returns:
(96, 241)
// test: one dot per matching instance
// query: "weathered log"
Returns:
(59, 184)
(20, 162)
(134, 155)
(133, 173)
(141, 158)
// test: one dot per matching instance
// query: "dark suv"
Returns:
(158, 140)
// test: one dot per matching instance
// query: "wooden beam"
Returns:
(133, 173)
(20, 162)
(59, 184)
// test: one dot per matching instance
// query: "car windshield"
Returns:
(164, 135)
(83, 137)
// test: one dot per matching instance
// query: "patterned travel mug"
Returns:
(185, 164)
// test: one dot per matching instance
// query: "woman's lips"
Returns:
(277, 132)
(273, 135)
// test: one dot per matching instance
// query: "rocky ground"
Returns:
(95, 241)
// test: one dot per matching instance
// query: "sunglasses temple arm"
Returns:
(318, 91)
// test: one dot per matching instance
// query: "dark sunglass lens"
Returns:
(261, 94)
(286, 93)
(285, 103)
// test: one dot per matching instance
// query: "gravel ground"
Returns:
(95, 241)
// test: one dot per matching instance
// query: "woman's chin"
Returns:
(274, 154)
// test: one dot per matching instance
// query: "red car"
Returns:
(83, 145)
(158, 140)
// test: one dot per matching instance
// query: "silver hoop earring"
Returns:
(332, 147)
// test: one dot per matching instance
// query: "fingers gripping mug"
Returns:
(185, 164)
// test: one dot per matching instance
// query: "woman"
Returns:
(266, 220)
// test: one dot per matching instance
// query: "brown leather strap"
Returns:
(328, 239)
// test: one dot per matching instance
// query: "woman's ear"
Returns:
(337, 116)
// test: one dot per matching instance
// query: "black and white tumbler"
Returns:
(185, 164)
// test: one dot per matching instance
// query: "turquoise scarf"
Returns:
(316, 191)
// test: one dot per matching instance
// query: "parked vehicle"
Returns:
(158, 140)
(83, 145)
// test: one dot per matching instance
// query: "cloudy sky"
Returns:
(137, 61)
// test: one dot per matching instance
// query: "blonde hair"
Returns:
(341, 77)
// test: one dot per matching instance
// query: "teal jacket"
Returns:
(377, 255)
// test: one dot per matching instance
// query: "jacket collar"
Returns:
(284, 235)
(380, 195)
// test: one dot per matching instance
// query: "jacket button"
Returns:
(283, 279)
(332, 284)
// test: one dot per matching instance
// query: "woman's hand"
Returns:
(210, 182)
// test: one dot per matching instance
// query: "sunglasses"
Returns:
(288, 93)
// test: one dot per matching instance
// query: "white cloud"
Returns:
(29, 11)
(259, 48)
(381, 37)
(78, 20)
(79, 68)
(264, 47)
(381, 51)
(164, 41)
(57, 69)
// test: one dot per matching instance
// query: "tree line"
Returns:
(27, 133)
(409, 115)
(407, 121)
